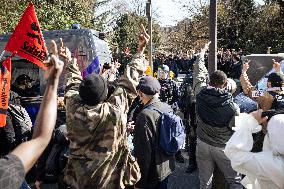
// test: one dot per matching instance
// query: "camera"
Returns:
(106, 66)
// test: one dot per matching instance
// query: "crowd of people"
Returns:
(109, 130)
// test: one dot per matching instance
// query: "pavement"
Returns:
(182, 180)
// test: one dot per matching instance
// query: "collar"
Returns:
(152, 101)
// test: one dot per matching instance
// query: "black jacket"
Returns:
(169, 91)
(7, 137)
(235, 70)
(135, 108)
(154, 164)
(215, 112)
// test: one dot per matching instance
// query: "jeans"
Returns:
(207, 157)
(25, 185)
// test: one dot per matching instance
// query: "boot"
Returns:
(179, 157)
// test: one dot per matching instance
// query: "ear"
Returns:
(225, 84)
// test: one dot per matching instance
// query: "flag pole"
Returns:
(2, 54)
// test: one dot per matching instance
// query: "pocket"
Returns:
(131, 171)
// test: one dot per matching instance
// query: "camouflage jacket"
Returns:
(99, 153)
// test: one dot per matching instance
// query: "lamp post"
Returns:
(212, 59)
(150, 25)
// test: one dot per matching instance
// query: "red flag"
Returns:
(5, 79)
(27, 39)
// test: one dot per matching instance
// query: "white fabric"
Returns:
(263, 170)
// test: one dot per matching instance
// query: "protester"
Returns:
(96, 126)
(273, 97)
(7, 137)
(14, 166)
(21, 120)
(169, 94)
(187, 106)
(215, 113)
(50, 165)
(264, 169)
(25, 86)
(172, 64)
(155, 164)
(235, 69)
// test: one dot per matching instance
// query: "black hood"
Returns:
(215, 107)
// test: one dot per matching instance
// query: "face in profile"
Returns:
(163, 74)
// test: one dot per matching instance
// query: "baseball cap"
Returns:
(276, 79)
(149, 85)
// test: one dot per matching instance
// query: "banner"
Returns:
(27, 39)
(5, 79)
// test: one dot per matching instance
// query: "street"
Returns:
(182, 180)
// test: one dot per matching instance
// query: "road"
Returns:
(182, 180)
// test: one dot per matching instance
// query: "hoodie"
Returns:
(215, 112)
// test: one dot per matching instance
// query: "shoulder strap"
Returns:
(151, 107)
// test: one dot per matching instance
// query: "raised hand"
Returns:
(276, 66)
(53, 64)
(64, 52)
(206, 47)
(245, 66)
(143, 39)
(117, 64)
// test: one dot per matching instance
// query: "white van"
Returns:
(84, 44)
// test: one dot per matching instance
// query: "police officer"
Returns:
(169, 94)
(169, 90)
(187, 106)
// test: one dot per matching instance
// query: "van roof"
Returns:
(71, 39)
(70, 32)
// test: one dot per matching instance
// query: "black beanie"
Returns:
(276, 79)
(93, 89)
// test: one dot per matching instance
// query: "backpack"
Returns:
(21, 123)
(171, 131)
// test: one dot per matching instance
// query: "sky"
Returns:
(166, 12)
(169, 12)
